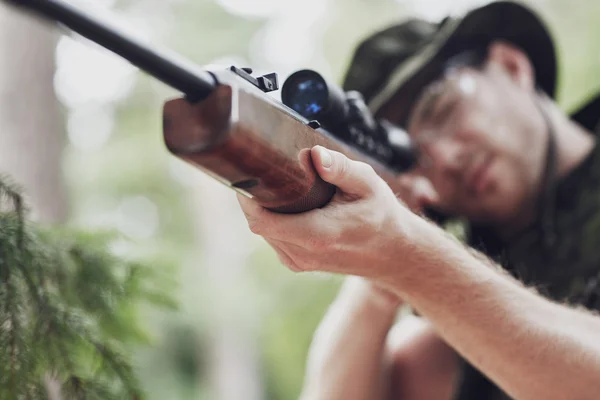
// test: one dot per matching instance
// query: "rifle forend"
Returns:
(225, 124)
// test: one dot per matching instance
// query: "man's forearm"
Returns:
(347, 356)
(531, 347)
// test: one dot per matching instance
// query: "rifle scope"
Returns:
(346, 115)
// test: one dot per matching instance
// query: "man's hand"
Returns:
(358, 233)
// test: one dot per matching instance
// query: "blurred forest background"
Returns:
(81, 130)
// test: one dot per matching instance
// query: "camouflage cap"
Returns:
(393, 65)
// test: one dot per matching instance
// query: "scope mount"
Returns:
(267, 83)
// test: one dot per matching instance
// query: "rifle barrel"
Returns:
(168, 68)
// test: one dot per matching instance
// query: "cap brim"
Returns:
(504, 20)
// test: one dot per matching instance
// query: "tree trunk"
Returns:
(31, 137)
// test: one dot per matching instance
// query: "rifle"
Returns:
(228, 126)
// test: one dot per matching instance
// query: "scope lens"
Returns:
(306, 93)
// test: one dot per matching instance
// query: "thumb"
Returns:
(351, 177)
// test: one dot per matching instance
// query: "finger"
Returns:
(299, 229)
(258, 218)
(249, 206)
(351, 177)
(283, 255)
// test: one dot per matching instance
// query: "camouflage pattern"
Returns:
(568, 268)
(563, 270)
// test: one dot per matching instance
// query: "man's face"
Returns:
(480, 141)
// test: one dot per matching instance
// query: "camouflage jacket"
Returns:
(568, 267)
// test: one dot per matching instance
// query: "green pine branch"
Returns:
(68, 309)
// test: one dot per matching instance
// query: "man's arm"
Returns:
(349, 358)
(531, 347)
(424, 367)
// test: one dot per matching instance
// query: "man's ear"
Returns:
(514, 62)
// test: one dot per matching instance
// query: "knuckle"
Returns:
(285, 260)
(366, 169)
(255, 226)
(310, 266)
(294, 268)
(290, 264)
(342, 166)
(289, 258)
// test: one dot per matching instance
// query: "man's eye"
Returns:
(426, 136)
(443, 110)
(424, 162)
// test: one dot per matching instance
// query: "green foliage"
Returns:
(67, 310)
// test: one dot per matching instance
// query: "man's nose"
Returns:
(449, 156)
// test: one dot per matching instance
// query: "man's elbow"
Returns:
(424, 367)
